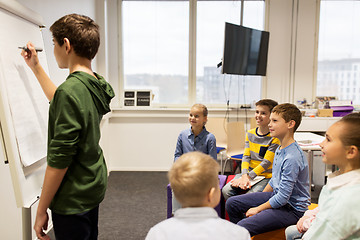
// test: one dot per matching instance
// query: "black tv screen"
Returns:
(245, 50)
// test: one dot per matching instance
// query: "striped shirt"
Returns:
(259, 154)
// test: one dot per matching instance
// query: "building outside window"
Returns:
(339, 50)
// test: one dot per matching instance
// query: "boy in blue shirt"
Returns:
(76, 176)
(286, 197)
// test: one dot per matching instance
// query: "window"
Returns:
(339, 51)
(155, 48)
(155, 43)
(212, 87)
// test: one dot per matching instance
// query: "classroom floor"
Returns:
(134, 202)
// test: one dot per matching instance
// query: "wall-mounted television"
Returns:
(245, 50)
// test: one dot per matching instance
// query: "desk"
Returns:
(316, 124)
(309, 143)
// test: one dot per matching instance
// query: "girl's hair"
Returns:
(201, 106)
(351, 135)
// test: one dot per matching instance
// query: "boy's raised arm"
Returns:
(31, 59)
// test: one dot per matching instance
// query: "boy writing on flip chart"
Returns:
(76, 176)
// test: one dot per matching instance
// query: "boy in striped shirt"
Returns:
(258, 156)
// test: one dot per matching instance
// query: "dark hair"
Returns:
(289, 112)
(82, 32)
(267, 102)
(351, 135)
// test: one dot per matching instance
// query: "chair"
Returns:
(220, 208)
(253, 123)
(217, 126)
(235, 142)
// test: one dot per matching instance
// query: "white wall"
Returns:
(145, 140)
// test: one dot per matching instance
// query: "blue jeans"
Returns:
(229, 191)
(265, 221)
(291, 233)
(82, 226)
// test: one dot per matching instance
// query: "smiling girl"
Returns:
(195, 138)
(338, 216)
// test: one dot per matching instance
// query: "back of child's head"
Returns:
(202, 107)
(267, 102)
(192, 176)
(351, 134)
(82, 32)
(289, 112)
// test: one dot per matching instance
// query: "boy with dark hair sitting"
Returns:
(259, 154)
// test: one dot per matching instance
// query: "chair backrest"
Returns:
(217, 126)
(235, 138)
(253, 123)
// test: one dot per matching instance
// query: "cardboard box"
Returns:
(325, 112)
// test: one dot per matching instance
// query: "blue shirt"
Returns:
(187, 142)
(290, 178)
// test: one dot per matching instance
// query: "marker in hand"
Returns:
(36, 49)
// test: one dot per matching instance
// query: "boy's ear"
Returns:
(212, 198)
(67, 45)
(291, 124)
(211, 194)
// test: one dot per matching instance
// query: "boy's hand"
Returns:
(41, 223)
(243, 182)
(30, 56)
(252, 211)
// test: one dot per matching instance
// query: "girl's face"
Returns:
(196, 117)
(334, 151)
(262, 116)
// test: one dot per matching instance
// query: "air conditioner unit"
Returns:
(137, 98)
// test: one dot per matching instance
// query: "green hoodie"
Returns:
(73, 141)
